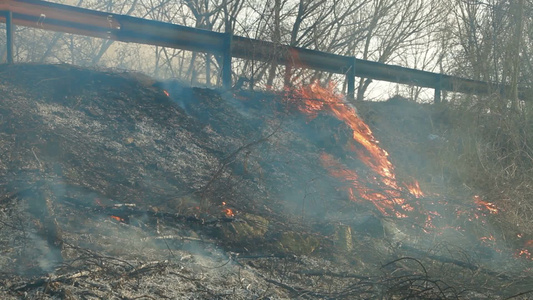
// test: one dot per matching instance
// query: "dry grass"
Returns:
(469, 147)
(491, 153)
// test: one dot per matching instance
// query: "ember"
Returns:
(485, 205)
(524, 253)
(229, 212)
(119, 219)
(487, 239)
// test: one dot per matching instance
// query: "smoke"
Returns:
(181, 160)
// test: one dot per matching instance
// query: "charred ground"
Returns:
(111, 189)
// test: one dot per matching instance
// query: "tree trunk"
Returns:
(276, 38)
(518, 13)
(294, 40)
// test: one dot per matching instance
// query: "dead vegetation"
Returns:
(463, 150)
(110, 189)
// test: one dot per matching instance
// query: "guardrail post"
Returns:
(9, 36)
(437, 96)
(226, 61)
(438, 90)
(350, 78)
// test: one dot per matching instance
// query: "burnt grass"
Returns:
(110, 189)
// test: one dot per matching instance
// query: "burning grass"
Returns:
(120, 183)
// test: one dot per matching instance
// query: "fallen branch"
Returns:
(331, 274)
(456, 262)
(52, 278)
(125, 212)
(520, 294)
(297, 292)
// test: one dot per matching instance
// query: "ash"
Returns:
(110, 189)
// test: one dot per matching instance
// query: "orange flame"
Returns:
(487, 205)
(524, 253)
(385, 202)
(487, 239)
(229, 212)
(388, 198)
(382, 189)
(415, 190)
(119, 219)
(326, 98)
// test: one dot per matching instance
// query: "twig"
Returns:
(93, 254)
(174, 237)
(63, 278)
(407, 258)
(198, 284)
(456, 262)
(230, 158)
(147, 268)
(332, 274)
(299, 292)
(218, 267)
(143, 296)
(520, 294)
(35, 155)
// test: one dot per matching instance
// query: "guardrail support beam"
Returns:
(350, 79)
(9, 36)
(438, 90)
(437, 97)
(226, 62)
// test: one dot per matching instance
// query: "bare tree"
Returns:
(395, 26)
(493, 44)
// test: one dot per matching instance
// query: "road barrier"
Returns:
(69, 19)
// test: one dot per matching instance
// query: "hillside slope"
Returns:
(114, 185)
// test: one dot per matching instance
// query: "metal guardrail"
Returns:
(69, 19)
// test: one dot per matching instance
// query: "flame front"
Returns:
(380, 186)
(414, 189)
(387, 197)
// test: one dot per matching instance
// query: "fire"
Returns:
(486, 205)
(229, 212)
(119, 219)
(414, 189)
(524, 253)
(319, 98)
(387, 196)
(380, 186)
(487, 239)
(386, 202)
